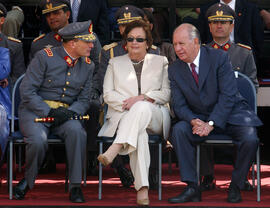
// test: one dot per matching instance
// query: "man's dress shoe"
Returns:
(208, 183)
(234, 195)
(247, 186)
(76, 195)
(126, 176)
(190, 194)
(21, 189)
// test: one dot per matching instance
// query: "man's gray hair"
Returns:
(194, 33)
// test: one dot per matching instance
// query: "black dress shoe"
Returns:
(20, 189)
(208, 183)
(247, 186)
(190, 194)
(234, 195)
(126, 176)
(76, 195)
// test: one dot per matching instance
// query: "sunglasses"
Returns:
(139, 40)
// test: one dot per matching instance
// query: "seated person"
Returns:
(136, 87)
(206, 100)
(57, 84)
(5, 103)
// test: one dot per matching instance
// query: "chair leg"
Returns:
(170, 161)
(159, 171)
(198, 163)
(253, 175)
(85, 169)
(258, 165)
(20, 158)
(10, 168)
(100, 173)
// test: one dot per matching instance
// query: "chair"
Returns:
(247, 90)
(16, 138)
(153, 140)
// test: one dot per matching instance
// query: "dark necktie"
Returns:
(194, 73)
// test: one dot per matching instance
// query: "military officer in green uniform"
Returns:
(57, 84)
(125, 15)
(221, 23)
(15, 48)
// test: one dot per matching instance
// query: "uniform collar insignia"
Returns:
(57, 37)
(226, 47)
(216, 46)
(69, 61)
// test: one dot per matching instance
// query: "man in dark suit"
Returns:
(248, 27)
(95, 10)
(206, 100)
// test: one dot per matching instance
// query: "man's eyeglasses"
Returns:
(139, 40)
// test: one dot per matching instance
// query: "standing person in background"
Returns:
(15, 50)
(97, 12)
(248, 27)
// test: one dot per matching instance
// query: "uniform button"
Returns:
(64, 89)
(63, 95)
(68, 73)
(67, 83)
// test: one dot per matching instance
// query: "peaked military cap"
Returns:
(220, 12)
(78, 30)
(128, 13)
(3, 10)
(53, 5)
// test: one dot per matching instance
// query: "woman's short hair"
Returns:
(141, 24)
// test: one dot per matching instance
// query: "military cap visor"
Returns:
(220, 12)
(53, 5)
(78, 30)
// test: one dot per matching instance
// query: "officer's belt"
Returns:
(56, 104)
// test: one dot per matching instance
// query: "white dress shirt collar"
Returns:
(196, 62)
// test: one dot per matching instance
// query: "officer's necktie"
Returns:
(194, 73)
(75, 10)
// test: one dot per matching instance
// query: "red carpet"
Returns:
(49, 191)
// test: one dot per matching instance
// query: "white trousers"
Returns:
(143, 118)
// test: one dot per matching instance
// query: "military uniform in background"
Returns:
(16, 56)
(242, 59)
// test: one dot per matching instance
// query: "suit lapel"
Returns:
(129, 69)
(204, 67)
(187, 75)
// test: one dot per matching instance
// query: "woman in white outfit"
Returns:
(136, 89)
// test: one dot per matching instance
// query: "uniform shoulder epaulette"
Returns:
(48, 51)
(87, 60)
(14, 39)
(244, 46)
(154, 47)
(39, 37)
(107, 47)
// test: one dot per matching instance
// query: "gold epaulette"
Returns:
(244, 46)
(39, 37)
(154, 47)
(107, 47)
(87, 60)
(14, 39)
(48, 51)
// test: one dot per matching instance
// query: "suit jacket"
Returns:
(120, 83)
(248, 28)
(216, 98)
(96, 11)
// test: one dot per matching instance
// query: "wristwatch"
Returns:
(211, 123)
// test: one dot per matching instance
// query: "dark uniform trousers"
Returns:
(184, 142)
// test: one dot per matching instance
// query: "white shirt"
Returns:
(232, 5)
(196, 62)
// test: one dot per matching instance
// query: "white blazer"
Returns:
(120, 83)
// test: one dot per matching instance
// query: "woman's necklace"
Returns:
(136, 63)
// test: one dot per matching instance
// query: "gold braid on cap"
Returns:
(219, 16)
(87, 37)
(127, 18)
(50, 8)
